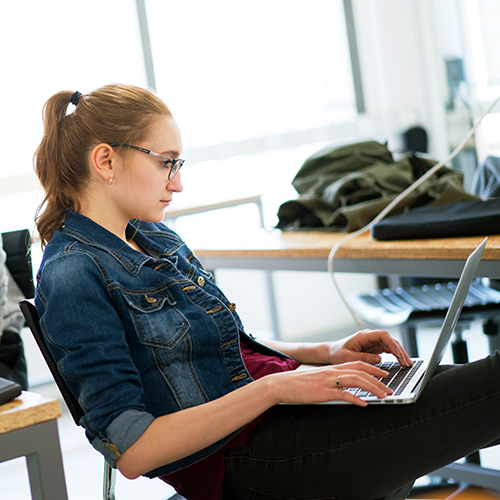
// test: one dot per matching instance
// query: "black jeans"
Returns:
(352, 453)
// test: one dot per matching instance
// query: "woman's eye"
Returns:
(167, 163)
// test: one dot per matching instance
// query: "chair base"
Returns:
(110, 483)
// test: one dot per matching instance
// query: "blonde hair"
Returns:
(113, 113)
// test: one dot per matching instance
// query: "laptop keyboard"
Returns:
(397, 380)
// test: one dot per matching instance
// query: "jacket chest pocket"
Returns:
(157, 322)
(163, 328)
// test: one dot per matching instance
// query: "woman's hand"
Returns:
(366, 346)
(328, 383)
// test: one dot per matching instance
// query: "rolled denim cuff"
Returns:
(122, 433)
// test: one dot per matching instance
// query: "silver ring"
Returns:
(338, 383)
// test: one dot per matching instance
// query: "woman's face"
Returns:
(141, 184)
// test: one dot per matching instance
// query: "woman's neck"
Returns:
(136, 247)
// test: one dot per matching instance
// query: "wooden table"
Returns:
(28, 427)
(308, 251)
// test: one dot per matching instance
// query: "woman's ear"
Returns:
(101, 161)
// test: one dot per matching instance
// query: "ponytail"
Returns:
(60, 172)
(114, 113)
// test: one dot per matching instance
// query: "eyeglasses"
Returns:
(174, 164)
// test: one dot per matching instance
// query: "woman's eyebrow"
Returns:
(170, 153)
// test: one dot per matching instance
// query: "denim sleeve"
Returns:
(122, 433)
(88, 341)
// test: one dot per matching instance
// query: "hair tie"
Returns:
(75, 98)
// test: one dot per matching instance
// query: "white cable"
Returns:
(458, 491)
(394, 203)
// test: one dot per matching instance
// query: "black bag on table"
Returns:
(463, 218)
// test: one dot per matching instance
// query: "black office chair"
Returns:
(16, 245)
(31, 315)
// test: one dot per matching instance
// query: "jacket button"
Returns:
(232, 307)
(151, 300)
(200, 280)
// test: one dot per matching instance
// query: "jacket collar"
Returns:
(86, 231)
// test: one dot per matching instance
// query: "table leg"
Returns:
(273, 307)
(40, 445)
(409, 338)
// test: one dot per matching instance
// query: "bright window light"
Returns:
(48, 47)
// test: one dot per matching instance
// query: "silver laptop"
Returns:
(409, 382)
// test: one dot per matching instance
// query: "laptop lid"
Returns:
(424, 368)
(453, 313)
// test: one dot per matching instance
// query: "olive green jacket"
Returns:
(345, 188)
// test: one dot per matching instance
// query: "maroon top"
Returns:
(203, 480)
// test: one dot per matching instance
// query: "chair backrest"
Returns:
(31, 316)
(17, 247)
(32, 320)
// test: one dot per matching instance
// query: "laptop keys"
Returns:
(397, 380)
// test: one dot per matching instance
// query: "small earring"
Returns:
(110, 181)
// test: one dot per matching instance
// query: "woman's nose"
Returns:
(175, 184)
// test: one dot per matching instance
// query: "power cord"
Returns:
(393, 204)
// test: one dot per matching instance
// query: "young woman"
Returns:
(158, 358)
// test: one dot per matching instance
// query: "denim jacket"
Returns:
(136, 336)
